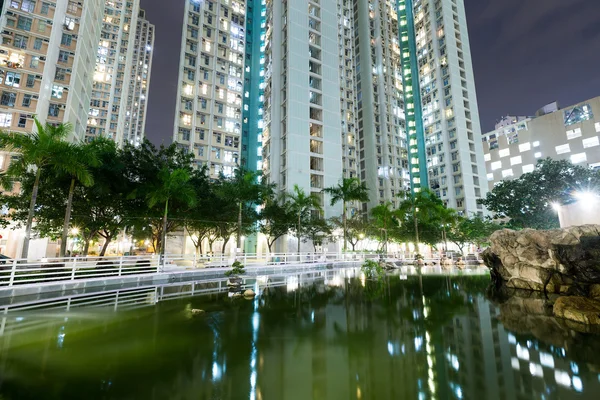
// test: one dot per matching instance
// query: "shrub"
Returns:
(237, 268)
(372, 269)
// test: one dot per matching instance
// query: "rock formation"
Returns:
(556, 261)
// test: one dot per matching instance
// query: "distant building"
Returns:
(46, 59)
(561, 134)
(139, 82)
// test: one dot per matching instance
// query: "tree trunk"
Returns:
(86, 248)
(34, 193)
(225, 241)
(163, 245)
(445, 240)
(344, 223)
(353, 246)
(298, 234)
(239, 228)
(416, 228)
(107, 241)
(270, 245)
(65, 233)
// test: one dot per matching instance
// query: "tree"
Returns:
(384, 219)
(447, 218)
(422, 211)
(474, 230)
(357, 228)
(301, 205)
(348, 190)
(243, 188)
(39, 150)
(171, 185)
(143, 165)
(526, 201)
(276, 219)
(80, 157)
(316, 230)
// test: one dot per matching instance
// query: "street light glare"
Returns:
(586, 197)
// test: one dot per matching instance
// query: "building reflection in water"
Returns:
(330, 334)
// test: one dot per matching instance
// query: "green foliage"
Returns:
(474, 230)
(526, 201)
(237, 268)
(302, 205)
(276, 218)
(372, 269)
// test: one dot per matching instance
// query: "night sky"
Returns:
(526, 53)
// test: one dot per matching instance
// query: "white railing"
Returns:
(22, 272)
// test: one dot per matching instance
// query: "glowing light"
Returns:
(556, 207)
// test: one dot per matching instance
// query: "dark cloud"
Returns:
(526, 53)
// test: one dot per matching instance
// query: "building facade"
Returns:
(310, 92)
(571, 134)
(139, 81)
(208, 118)
(46, 57)
(114, 63)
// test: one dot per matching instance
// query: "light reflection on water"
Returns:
(328, 334)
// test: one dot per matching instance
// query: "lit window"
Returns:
(578, 158)
(504, 153)
(528, 168)
(591, 142)
(538, 155)
(516, 160)
(536, 144)
(496, 165)
(574, 133)
(562, 149)
(536, 370)
(187, 119)
(597, 126)
(487, 157)
(490, 177)
(5, 120)
(507, 172)
(524, 147)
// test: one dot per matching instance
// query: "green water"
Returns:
(330, 335)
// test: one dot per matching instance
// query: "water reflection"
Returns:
(323, 335)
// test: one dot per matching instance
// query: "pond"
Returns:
(329, 334)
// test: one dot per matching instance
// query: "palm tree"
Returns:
(243, 188)
(349, 189)
(301, 204)
(447, 217)
(171, 185)
(43, 149)
(80, 157)
(383, 217)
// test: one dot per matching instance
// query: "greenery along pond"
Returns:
(324, 335)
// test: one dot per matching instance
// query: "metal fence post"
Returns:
(73, 269)
(13, 271)
(245, 258)
(120, 265)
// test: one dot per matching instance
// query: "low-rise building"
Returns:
(569, 133)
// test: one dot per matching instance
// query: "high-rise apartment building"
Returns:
(46, 59)
(449, 112)
(208, 120)
(114, 63)
(382, 90)
(139, 81)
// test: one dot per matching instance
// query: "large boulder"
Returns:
(557, 261)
